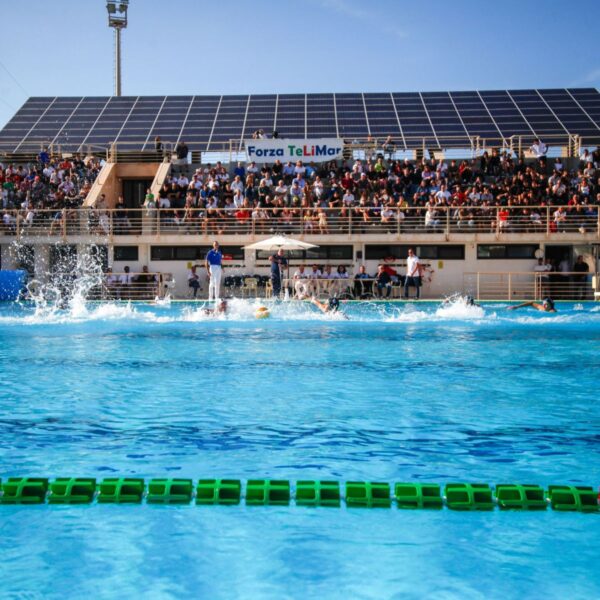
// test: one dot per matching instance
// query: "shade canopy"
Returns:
(280, 241)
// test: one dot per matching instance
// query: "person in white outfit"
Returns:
(213, 261)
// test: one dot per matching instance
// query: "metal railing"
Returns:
(511, 285)
(548, 221)
(144, 150)
(132, 286)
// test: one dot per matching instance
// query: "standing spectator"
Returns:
(194, 280)
(582, 269)
(277, 261)
(158, 148)
(182, 151)
(413, 274)
(212, 263)
(539, 150)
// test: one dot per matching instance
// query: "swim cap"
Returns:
(334, 303)
(470, 301)
(548, 302)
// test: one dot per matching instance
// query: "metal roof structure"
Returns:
(438, 119)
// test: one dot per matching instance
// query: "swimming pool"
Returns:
(398, 392)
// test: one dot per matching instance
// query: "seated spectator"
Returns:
(383, 282)
(361, 280)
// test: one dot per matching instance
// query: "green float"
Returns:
(368, 494)
(121, 490)
(418, 495)
(218, 491)
(267, 492)
(24, 490)
(72, 490)
(578, 498)
(169, 491)
(469, 496)
(520, 497)
(317, 493)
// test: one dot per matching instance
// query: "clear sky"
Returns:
(64, 47)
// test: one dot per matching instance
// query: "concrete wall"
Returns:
(110, 180)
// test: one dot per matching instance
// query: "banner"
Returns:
(311, 150)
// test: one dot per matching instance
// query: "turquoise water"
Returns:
(395, 393)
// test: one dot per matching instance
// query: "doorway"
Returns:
(134, 191)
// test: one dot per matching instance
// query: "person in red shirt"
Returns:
(347, 182)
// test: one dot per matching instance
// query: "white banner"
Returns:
(315, 150)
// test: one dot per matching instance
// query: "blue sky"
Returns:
(267, 46)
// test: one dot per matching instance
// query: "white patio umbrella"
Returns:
(281, 241)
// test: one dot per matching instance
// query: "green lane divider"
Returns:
(469, 496)
(24, 490)
(170, 491)
(263, 492)
(305, 492)
(120, 490)
(573, 497)
(524, 497)
(72, 490)
(367, 494)
(318, 493)
(218, 491)
(418, 495)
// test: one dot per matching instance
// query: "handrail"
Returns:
(499, 221)
(232, 150)
(519, 285)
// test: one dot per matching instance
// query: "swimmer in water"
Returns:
(219, 309)
(468, 300)
(547, 305)
(331, 306)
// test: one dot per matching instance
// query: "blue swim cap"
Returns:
(334, 303)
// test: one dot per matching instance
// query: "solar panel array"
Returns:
(443, 119)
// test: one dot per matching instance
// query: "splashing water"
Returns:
(67, 286)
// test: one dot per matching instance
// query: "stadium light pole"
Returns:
(117, 19)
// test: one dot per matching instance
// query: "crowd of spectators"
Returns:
(494, 191)
(37, 190)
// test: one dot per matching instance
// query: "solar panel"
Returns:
(443, 119)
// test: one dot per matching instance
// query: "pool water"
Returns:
(395, 392)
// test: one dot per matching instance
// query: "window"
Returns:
(426, 252)
(188, 253)
(320, 253)
(126, 253)
(503, 251)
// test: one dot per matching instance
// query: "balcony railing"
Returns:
(549, 221)
(571, 286)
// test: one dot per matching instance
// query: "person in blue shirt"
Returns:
(277, 262)
(44, 157)
(213, 261)
(240, 171)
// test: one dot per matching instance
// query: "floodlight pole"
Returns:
(117, 61)
(117, 19)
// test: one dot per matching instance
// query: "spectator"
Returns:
(413, 274)
(383, 282)
(579, 281)
(194, 280)
(181, 152)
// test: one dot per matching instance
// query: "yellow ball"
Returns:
(262, 312)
